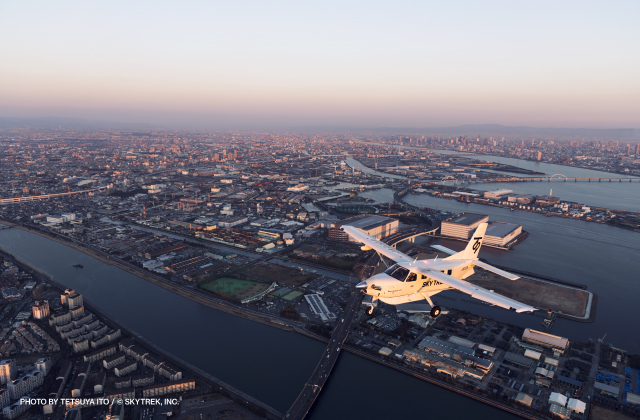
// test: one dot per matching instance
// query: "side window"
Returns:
(412, 277)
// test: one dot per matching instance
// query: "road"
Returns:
(316, 382)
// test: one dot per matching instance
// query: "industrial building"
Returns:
(553, 342)
(462, 225)
(518, 360)
(376, 226)
(547, 200)
(234, 221)
(501, 233)
(521, 198)
(319, 308)
(525, 399)
(496, 193)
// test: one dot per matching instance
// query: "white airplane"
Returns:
(410, 280)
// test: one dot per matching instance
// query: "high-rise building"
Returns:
(8, 370)
(71, 299)
(40, 309)
(43, 365)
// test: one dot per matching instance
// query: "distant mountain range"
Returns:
(470, 130)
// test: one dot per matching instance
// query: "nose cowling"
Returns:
(361, 285)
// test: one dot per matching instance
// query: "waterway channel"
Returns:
(272, 365)
(603, 257)
(623, 195)
(268, 363)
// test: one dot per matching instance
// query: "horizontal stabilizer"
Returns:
(496, 270)
(444, 249)
(473, 290)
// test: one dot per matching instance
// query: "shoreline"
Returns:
(217, 384)
(165, 284)
(548, 214)
(466, 153)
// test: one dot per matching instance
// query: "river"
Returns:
(614, 195)
(268, 363)
(272, 365)
(603, 257)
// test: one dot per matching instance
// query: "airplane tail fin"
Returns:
(473, 247)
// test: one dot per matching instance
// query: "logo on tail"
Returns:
(473, 247)
(477, 243)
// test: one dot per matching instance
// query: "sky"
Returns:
(276, 64)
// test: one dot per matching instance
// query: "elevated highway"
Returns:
(46, 196)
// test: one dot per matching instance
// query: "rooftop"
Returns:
(553, 340)
(501, 229)
(467, 218)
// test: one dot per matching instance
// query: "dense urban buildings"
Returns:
(251, 223)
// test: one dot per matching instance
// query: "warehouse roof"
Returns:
(501, 229)
(467, 218)
(549, 339)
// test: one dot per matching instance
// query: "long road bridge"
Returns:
(319, 377)
(557, 177)
(554, 178)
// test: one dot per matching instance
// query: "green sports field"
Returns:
(239, 289)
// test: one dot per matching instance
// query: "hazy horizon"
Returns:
(251, 65)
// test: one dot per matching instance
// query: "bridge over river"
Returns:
(319, 377)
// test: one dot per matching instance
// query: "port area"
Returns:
(557, 296)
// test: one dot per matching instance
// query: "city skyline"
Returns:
(254, 66)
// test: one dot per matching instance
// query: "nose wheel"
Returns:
(435, 311)
(369, 310)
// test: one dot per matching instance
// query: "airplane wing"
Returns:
(496, 270)
(473, 290)
(444, 249)
(381, 247)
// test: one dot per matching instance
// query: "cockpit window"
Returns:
(412, 277)
(397, 272)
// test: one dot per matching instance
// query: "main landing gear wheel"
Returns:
(435, 311)
(369, 310)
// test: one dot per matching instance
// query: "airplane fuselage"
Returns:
(397, 282)
(411, 280)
